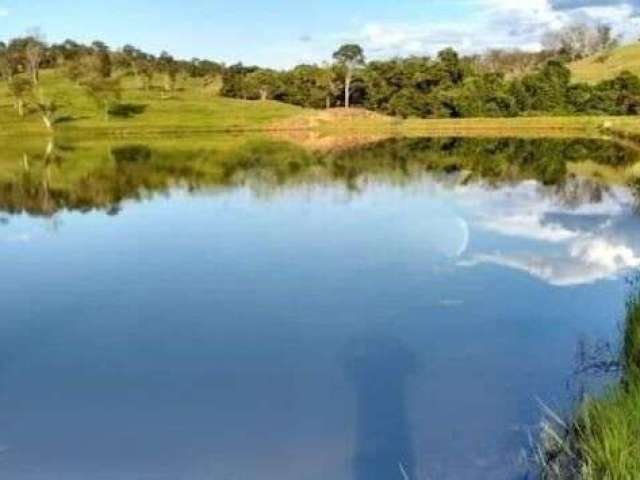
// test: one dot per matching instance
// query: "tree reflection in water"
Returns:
(46, 178)
(378, 367)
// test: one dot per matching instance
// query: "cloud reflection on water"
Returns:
(536, 230)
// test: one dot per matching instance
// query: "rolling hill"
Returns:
(602, 67)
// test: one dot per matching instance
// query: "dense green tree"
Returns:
(621, 95)
(102, 64)
(262, 84)
(170, 70)
(450, 67)
(547, 88)
(68, 51)
(309, 86)
(234, 80)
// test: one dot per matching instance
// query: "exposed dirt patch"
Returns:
(334, 117)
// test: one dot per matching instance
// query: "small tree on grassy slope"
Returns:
(105, 92)
(21, 89)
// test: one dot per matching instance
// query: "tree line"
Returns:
(498, 83)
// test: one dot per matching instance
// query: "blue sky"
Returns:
(281, 33)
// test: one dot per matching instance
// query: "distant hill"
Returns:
(605, 66)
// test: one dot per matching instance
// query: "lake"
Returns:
(248, 308)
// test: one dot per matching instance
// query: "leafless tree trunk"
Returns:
(47, 122)
(33, 55)
(264, 94)
(347, 88)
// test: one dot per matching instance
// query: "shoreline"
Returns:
(602, 440)
(357, 122)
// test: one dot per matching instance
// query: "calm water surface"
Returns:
(257, 312)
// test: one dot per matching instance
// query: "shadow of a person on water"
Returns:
(378, 366)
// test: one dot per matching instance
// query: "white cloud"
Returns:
(493, 24)
(4, 12)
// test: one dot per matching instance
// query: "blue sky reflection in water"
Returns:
(310, 332)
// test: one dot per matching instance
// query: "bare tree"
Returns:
(580, 40)
(33, 56)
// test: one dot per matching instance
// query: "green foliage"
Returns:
(309, 86)
(234, 81)
(101, 60)
(263, 84)
(631, 348)
(168, 66)
(609, 435)
(447, 86)
(350, 56)
(21, 89)
(105, 92)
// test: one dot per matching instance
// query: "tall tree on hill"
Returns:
(350, 57)
(102, 59)
(67, 51)
(139, 63)
(170, 68)
(127, 59)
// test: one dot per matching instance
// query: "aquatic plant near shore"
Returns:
(603, 442)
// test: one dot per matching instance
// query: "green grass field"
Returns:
(193, 108)
(603, 67)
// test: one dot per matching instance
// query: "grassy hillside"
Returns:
(599, 67)
(191, 108)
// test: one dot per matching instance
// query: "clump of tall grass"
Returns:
(631, 346)
(603, 443)
(609, 435)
